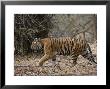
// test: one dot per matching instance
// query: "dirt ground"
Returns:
(28, 66)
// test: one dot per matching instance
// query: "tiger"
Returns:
(70, 46)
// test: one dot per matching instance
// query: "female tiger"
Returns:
(63, 46)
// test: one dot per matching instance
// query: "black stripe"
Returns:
(77, 47)
(58, 46)
(51, 44)
(82, 46)
(68, 50)
(62, 51)
(65, 48)
(55, 40)
(74, 55)
(72, 47)
(63, 44)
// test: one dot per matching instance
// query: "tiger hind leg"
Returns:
(74, 58)
(87, 53)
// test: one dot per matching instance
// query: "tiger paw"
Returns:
(40, 63)
(74, 63)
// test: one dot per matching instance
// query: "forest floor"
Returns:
(28, 66)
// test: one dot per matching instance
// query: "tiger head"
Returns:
(36, 45)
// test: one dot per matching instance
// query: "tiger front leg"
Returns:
(43, 59)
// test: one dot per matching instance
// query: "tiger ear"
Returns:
(37, 39)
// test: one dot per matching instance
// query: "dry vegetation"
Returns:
(27, 66)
